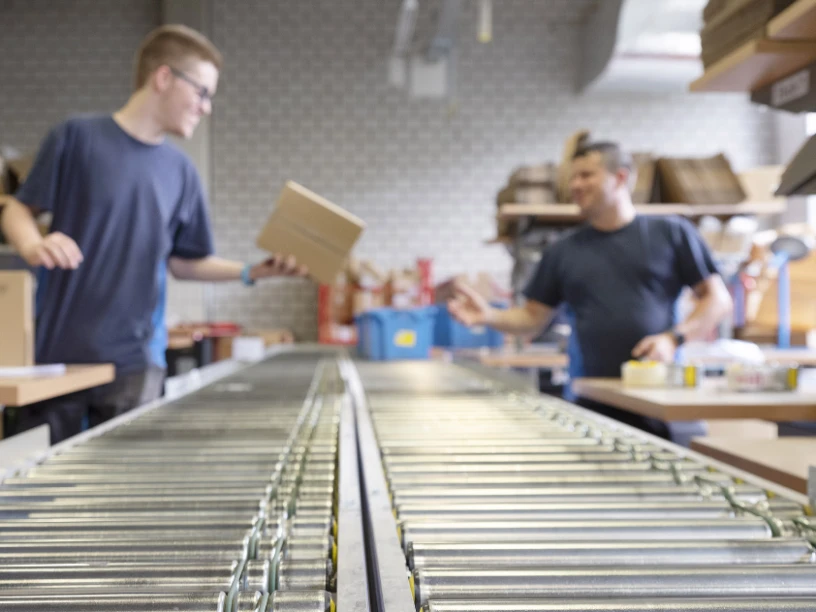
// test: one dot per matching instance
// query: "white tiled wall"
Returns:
(62, 57)
(304, 95)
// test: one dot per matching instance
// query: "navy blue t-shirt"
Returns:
(129, 206)
(619, 286)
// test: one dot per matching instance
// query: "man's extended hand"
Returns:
(468, 307)
(56, 250)
(277, 265)
(660, 347)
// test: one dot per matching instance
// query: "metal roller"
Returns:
(250, 601)
(587, 510)
(137, 523)
(157, 480)
(522, 511)
(418, 463)
(512, 481)
(300, 601)
(760, 581)
(145, 534)
(25, 490)
(641, 552)
(96, 551)
(117, 602)
(624, 605)
(400, 474)
(122, 577)
(131, 504)
(611, 494)
(541, 531)
(287, 575)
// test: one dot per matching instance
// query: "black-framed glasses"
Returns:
(203, 93)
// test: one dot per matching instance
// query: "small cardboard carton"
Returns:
(317, 232)
(16, 319)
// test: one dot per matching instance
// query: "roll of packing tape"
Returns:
(644, 374)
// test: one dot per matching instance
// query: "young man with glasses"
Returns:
(127, 206)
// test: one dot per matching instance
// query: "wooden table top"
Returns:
(784, 461)
(549, 358)
(705, 402)
(31, 389)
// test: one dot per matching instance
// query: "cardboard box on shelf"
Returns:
(317, 232)
(366, 274)
(760, 183)
(644, 189)
(714, 8)
(574, 142)
(368, 299)
(16, 318)
(699, 181)
(403, 288)
(545, 175)
(735, 23)
(527, 194)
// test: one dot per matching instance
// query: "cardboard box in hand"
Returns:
(317, 232)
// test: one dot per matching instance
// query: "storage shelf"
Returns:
(571, 213)
(756, 64)
(797, 22)
(790, 45)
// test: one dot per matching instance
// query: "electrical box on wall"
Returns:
(429, 79)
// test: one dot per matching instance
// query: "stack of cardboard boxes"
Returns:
(16, 319)
(656, 180)
(728, 24)
(362, 286)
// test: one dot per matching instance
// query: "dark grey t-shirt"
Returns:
(619, 286)
(129, 206)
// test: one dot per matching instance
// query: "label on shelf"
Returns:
(791, 88)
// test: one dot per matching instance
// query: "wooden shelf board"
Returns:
(797, 22)
(572, 213)
(756, 64)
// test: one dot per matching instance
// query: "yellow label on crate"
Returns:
(405, 338)
(793, 378)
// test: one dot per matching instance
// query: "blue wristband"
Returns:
(245, 278)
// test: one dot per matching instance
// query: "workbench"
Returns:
(704, 402)
(31, 389)
(784, 461)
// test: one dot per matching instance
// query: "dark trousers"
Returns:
(65, 414)
(653, 426)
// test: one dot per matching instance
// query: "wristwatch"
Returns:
(679, 339)
(245, 277)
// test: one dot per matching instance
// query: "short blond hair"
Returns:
(172, 44)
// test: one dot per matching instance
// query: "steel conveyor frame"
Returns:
(351, 593)
(371, 571)
(394, 590)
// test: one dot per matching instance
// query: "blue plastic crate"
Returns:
(389, 334)
(449, 333)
